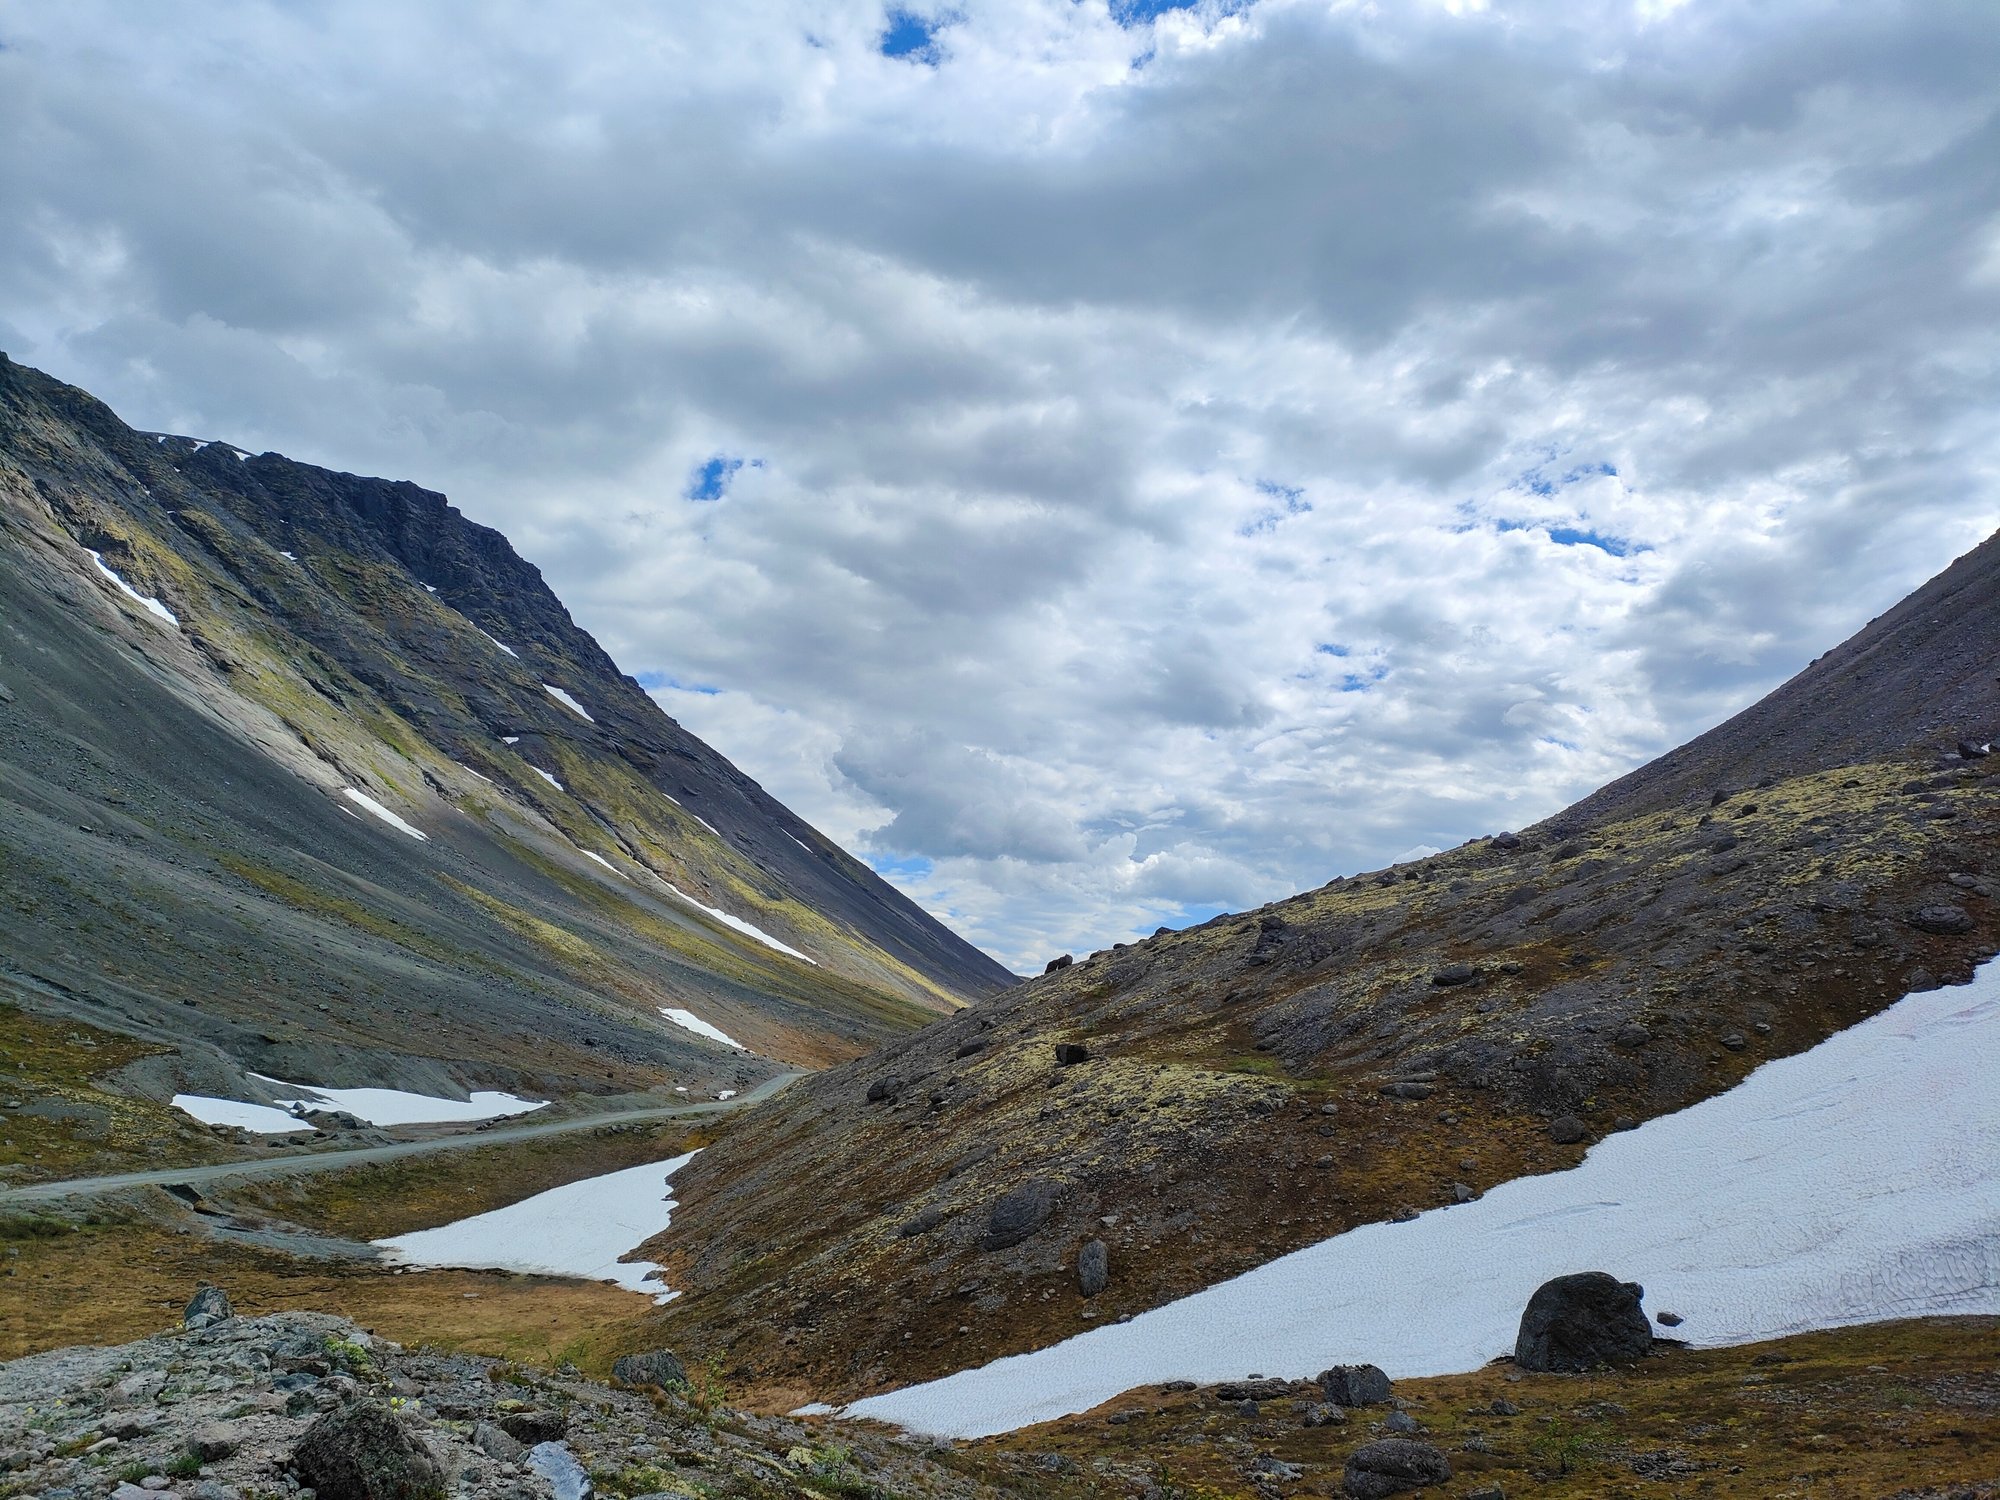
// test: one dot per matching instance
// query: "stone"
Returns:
(1323, 1414)
(970, 1049)
(496, 1444)
(364, 1451)
(1668, 1319)
(1093, 1267)
(884, 1090)
(211, 1443)
(1018, 1213)
(1062, 962)
(137, 1389)
(1454, 974)
(1566, 1130)
(1403, 1089)
(1733, 1040)
(208, 1306)
(1974, 749)
(657, 1367)
(532, 1427)
(1943, 918)
(1401, 1423)
(1256, 1388)
(1502, 1407)
(1069, 1054)
(1633, 1036)
(923, 1221)
(1391, 1466)
(1581, 1322)
(1505, 842)
(1354, 1385)
(1267, 1466)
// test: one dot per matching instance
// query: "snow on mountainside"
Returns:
(325, 829)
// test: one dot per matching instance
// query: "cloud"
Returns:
(1057, 390)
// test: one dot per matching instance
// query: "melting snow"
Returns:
(577, 1230)
(739, 924)
(694, 1023)
(510, 739)
(259, 1117)
(568, 702)
(1856, 1181)
(292, 555)
(470, 772)
(400, 1107)
(801, 843)
(548, 778)
(508, 649)
(587, 854)
(151, 606)
(725, 1093)
(363, 800)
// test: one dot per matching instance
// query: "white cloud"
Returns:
(1191, 460)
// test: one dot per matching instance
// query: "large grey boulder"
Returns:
(658, 1367)
(1583, 1322)
(364, 1451)
(1354, 1385)
(1391, 1466)
(208, 1306)
(1017, 1214)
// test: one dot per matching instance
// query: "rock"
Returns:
(1403, 1089)
(1505, 842)
(1462, 1192)
(884, 1090)
(211, 1443)
(1502, 1407)
(1354, 1385)
(155, 1483)
(363, 1451)
(1323, 1414)
(1401, 1423)
(532, 1427)
(1069, 1054)
(970, 1049)
(496, 1444)
(6, 696)
(137, 1389)
(1391, 1466)
(1943, 918)
(1566, 1130)
(1632, 1036)
(1017, 1214)
(1668, 1319)
(1490, 1492)
(129, 1491)
(208, 1306)
(1059, 963)
(656, 1367)
(1254, 1389)
(1454, 974)
(1974, 749)
(1093, 1267)
(1249, 1409)
(1266, 1466)
(1581, 1322)
(1733, 1040)
(921, 1222)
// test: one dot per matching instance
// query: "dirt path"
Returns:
(335, 1161)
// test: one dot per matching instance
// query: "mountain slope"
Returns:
(1383, 1045)
(202, 799)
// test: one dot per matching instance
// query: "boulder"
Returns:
(364, 1451)
(496, 1444)
(211, 1442)
(1566, 1130)
(208, 1306)
(1354, 1385)
(656, 1367)
(1454, 974)
(1506, 842)
(1069, 1054)
(1093, 1267)
(532, 1427)
(1017, 1214)
(884, 1090)
(1391, 1466)
(1974, 749)
(1582, 1322)
(1943, 918)
(1062, 962)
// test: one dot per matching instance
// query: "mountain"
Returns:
(1208, 1100)
(305, 777)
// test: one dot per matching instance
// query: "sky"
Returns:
(1102, 464)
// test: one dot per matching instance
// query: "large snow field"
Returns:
(1854, 1182)
(580, 1229)
(692, 1022)
(746, 928)
(152, 606)
(401, 1107)
(244, 1116)
(375, 809)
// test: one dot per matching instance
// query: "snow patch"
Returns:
(508, 649)
(293, 556)
(470, 772)
(152, 607)
(401, 1107)
(548, 778)
(801, 843)
(739, 924)
(813, 1409)
(258, 1117)
(362, 800)
(510, 739)
(568, 702)
(688, 1020)
(587, 854)
(1856, 1181)
(581, 1229)
(725, 1093)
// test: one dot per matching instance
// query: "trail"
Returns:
(340, 1160)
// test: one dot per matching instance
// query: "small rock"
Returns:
(1069, 1054)
(1566, 1130)
(1401, 1423)
(657, 1367)
(1454, 974)
(1733, 1040)
(1093, 1267)
(364, 1451)
(1248, 1409)
(1580, 1322)
(535, 1427)
(921, 1222)
(208, 1306)
(1017, 1214)
(211, 1443)
(1391, 1466)
(1942, 918)
(137, 1389)
(1668, 1319)
(496, 1444)
(155, 1483)
(1974, 749)
(1062, 962)
(1463, 1193)
(1633, 1036)
(1402, 1089)
(1490, 1492)
(1502, 1407)
(1354, 1385)
(1323, 1414)
(969, 1049)
(128, 1491)
(1265, 1466)
(884, 1090)
(1505, 842)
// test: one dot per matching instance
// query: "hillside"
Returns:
(306, 776)
(1383, 1045)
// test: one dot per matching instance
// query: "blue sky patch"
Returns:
(1290, 496)
(909, 866)
(1361, 682)
(653, 681)
(711, 479)
(1326, 649)
(910, 35)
